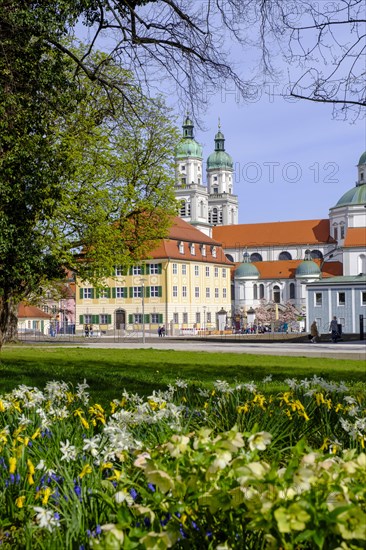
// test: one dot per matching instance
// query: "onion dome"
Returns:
(357, 195)
(308, 269)
(362, 159)
(219, 158)
(188, 146)
(246, 270)
(353, 197)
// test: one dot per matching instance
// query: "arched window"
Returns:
(183, 208)
(255, 292)
(361, 263)
(284, 255)
(261, 291)
(229, 257)
(202, 209)
(335, 232)
(292, 291)
(316, 255)
(220, 216)
(276, 294)
(255, 257)
(214, 216)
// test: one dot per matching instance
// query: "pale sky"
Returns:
(292, 159)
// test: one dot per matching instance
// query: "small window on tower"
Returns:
(183, 168)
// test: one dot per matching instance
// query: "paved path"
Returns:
(341, 350)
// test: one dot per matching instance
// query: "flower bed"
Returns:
(185, 468)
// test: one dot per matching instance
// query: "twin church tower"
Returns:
(200, 205)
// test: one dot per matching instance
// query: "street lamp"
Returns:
(142, 281)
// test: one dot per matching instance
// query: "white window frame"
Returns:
(137, 292)
(175, 291)
(87, 293)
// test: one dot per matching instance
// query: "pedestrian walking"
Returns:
(333, 327)
(314, 333)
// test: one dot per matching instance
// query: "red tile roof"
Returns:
(306, 232)
(355, 236)
(183, 232)
(31, 312)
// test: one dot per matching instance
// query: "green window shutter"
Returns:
(143, 269)
(147, 319)
(114, 292)
(159, 269)
(131, 270)
(160, 317)
(81, 319)
(160, 291)
(108, 292)
(147, 291)
(130, 292)
(124, 292)
(81, 293)
(130, 319)
(109, 319)
(95, 319)
(97, 293)
(92, 292)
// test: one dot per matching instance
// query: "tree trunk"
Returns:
(8, 320)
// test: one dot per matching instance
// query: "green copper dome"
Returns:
(362, 159)
(219, 158)
(307, 269)
(188, 146)
(353, 197)
(246, 270)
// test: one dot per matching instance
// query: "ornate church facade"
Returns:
(275, 262)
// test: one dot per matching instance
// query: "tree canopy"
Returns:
(85, 172)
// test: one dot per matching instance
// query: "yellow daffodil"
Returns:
(243, 408)
(70, 397)
(12, 464)
(36, 434)
(2, 406)
(106, 465)
(19, 502)
(113, 407)
(325, 444)
(86, 470)
(47, 492)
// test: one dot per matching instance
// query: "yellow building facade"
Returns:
(182, 286)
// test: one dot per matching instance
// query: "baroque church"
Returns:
(212, 272)
(276, 261)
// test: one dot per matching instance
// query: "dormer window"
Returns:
(181, 247)
(203, 250)
(192, 249)
(213, 251)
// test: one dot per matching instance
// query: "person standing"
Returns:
(333, 327)
(314, 332)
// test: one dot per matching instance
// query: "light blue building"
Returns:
(343, 297)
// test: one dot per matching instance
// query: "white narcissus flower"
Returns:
(45, 518)
(259, 441)
(68, 451)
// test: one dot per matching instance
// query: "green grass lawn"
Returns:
(109, 371)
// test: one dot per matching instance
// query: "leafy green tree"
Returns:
(85, 172)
